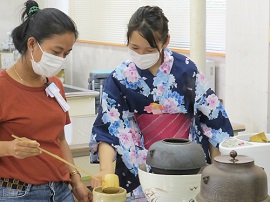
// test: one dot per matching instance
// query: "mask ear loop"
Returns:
(31, 53)
(40, 47)
(33, 50)
(47, 82)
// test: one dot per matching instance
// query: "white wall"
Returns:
(242, 81)
(268, 110)
(247, 63)
(88, 57)
(10, 15)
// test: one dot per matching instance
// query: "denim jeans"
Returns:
(50, 192)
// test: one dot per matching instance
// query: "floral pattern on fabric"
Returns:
(178, 87)
(128, 75)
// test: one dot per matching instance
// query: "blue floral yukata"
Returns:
(179, 87)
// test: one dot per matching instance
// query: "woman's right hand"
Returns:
(23, 148)
(97, 183)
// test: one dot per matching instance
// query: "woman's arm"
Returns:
(66, 151)
(211, 120)
(4, 148)
(80, 191)
(105, 139)
(106, 158)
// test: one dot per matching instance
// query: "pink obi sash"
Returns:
(155, 127)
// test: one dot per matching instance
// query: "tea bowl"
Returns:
(100, 196)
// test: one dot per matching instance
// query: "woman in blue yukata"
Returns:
(156, 94)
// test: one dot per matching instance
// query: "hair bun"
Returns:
(33, 10)
(31, 7)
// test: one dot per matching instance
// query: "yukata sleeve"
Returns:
(113, 124)
(107, 119)
(211, 122)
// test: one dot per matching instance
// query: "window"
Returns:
(106, 21)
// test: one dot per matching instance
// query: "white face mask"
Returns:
(143, 61)
(49, 65)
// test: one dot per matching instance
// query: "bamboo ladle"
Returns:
(110, 182)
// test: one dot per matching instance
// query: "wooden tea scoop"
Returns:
(110, 182)
(59, 158)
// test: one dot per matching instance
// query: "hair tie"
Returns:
(33, 9)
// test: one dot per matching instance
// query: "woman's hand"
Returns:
(80, 191)
(23, 148)
(97, 183)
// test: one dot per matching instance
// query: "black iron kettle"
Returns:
(233, 179)
(175, 156)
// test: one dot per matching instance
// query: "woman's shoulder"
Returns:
(123, 65)
(2, 79)
(121, 69)
(183, 62)
(58, 83)
(179, 56)
(56, 80)
(2, 73)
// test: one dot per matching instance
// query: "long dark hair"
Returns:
(151, 23)
(41, 24)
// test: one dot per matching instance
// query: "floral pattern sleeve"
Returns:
(210, 123)
(115, 125)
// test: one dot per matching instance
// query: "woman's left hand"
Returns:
(81, 192)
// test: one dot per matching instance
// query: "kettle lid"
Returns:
(233, 158)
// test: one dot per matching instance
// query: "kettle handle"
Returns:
(151, 152)
(205, 179)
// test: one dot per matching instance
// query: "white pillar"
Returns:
(198, 32)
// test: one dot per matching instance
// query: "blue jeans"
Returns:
(50, 192)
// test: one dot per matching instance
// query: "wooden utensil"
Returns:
(110, 182)
(60, 159)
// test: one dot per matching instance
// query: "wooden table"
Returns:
(237, 127)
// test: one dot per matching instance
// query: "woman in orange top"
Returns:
(31, 108)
